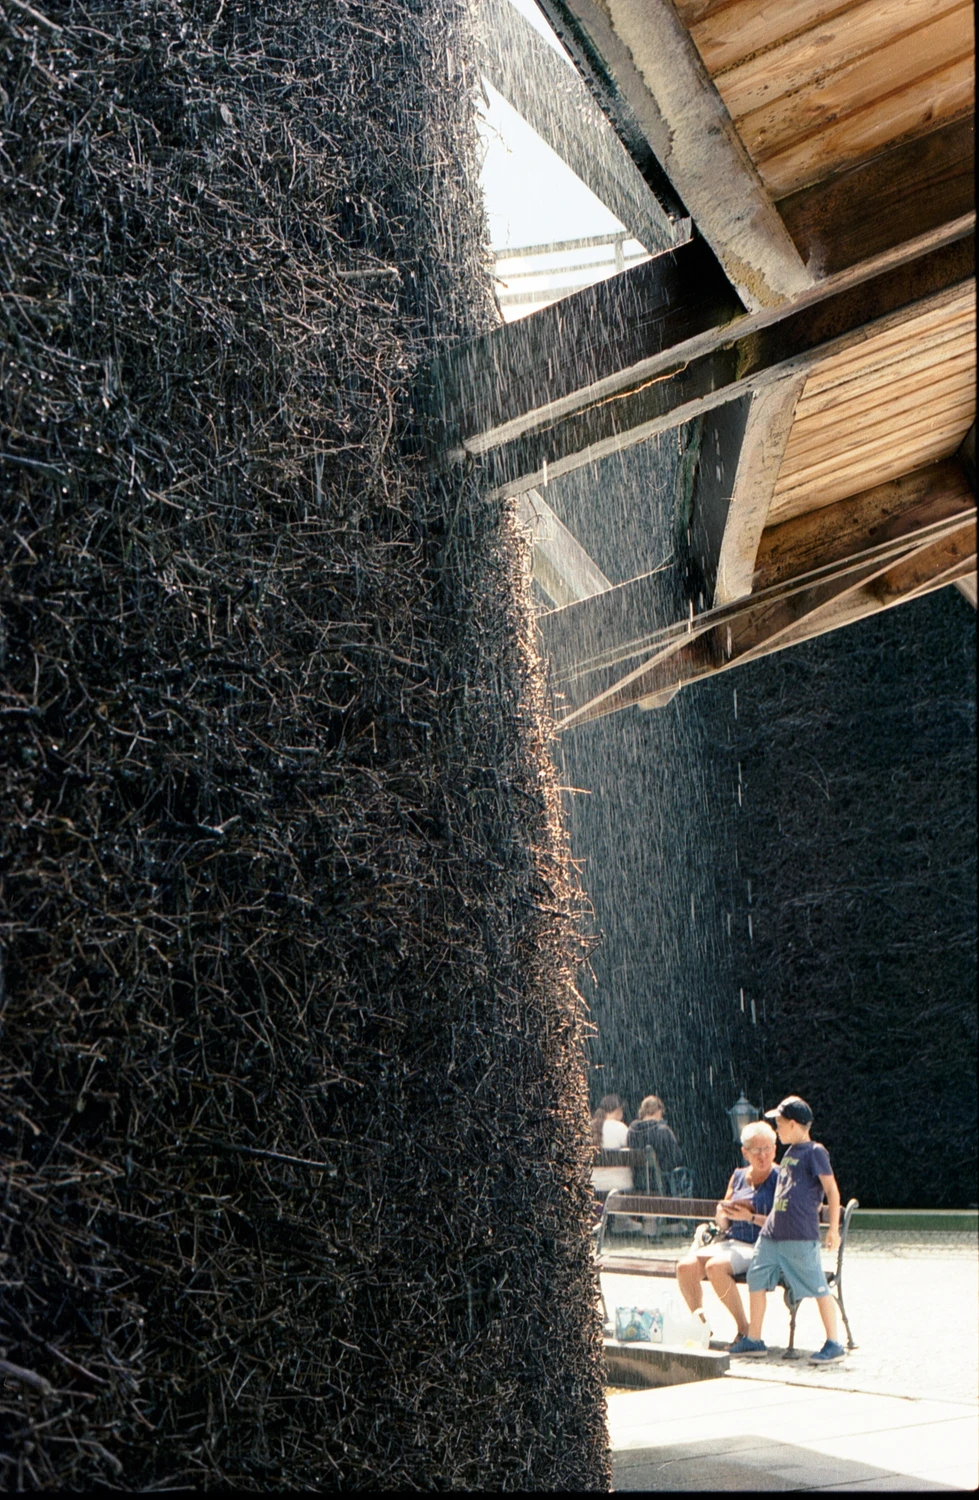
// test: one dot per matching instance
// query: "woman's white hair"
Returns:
(758, 1130)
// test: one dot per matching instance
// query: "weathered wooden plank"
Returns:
(766, 434)
(818, 436)
(639, 408)
(943, 96)
(495, 386)
(852, 526)
(562, 567)
(880, 380)
(882, 468)
(870, 464)
(906, 191)
(725, 33)
(552, 98)
(929, 366)
(901, 343)
(648, 52)
(969, 587)
(877, 405)
(878, 468)
(829, 70)
(814, 452)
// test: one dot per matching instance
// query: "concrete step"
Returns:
(643, 1365)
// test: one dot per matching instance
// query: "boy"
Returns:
(788, 1246)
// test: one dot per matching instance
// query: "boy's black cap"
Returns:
(792, 1108)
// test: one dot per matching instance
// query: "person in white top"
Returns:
(608, 1127)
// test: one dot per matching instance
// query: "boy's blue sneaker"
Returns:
(829, 1354)
(744, 1345)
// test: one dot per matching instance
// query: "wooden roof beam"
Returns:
(912, 190)
(720, 365)
(494, 388)
(643, 66)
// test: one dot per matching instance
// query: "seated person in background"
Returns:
(652, 1130)
(608, 1133)
(788, 1247)
(740, 1215)
(608, 1127)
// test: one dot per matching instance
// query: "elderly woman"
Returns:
(740, 1216)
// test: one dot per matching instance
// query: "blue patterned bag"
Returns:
(639, 1325)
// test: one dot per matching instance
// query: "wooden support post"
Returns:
(760, 455)
(562, 567)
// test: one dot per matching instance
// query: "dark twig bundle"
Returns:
(292, 1109)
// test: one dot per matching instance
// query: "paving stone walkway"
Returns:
(902, 1412)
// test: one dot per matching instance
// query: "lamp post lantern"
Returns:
(741, 1114)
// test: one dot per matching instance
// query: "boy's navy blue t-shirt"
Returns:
(798, 1194)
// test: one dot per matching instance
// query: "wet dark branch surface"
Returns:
(291, 1048)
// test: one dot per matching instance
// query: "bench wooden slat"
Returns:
(636, 1265)
(667, 1208)
(673, 1208)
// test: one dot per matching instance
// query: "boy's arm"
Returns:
(832, 1192)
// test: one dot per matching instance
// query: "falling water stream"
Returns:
(781, 860)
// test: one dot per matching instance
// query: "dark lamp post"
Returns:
(741, 1114)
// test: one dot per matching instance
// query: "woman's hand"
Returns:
(735, 1209)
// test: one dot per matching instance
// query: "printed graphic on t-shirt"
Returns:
(783, 1188)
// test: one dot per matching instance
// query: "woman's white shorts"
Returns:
(736, 1252)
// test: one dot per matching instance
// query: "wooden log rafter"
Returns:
(649, 76)
(909, 190)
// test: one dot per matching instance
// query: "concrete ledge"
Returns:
(643, 1365)
(904, 1219)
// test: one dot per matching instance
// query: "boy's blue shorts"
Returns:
(797, 1262)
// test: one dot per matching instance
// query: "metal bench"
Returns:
(641, 1168)
(644, 1205)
